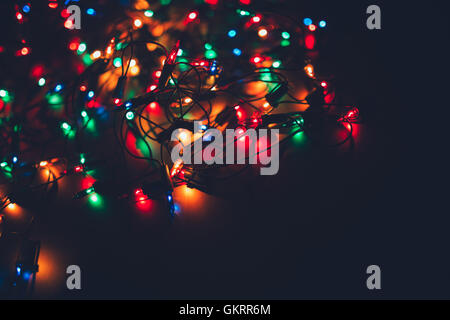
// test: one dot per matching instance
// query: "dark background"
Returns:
(312, 230)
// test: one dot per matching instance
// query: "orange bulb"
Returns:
(262, 33)
(137, 23)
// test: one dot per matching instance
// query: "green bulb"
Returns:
(210, 54)
(41, 82)
(208, 46)
(117, 62)
(285, 35)
(65, 126)
(81, 48)
(129, 115)
(276, 64)
(148, 13)
(84, 114)
(285, 43)
(3, 93)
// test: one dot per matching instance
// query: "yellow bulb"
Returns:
(262, 33)
(309, 69)
(266, 105)
(43, 163)
(132, 62)
(137, 23)
(12, 206)
(187, 100)
(96, 54)
(134, 70)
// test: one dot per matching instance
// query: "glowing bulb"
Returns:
(309, 69)
(117, 62)
(307, 21)
(322, 23)
(187, 100)
(237, 52)
(256, 19)
(137, 23)
(25, 51)
(91, 11)
(312, 27)
(262, 33)
(192, 15)
(134, 70)
(41, 82)
(232, 33)
(149, 13)
(285, 35)
(256, 59)
(81, 47)
(276, 64)
(129, 115)
(43, 163)
(96, 54)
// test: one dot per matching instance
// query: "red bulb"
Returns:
(324, 84)
(24, 51)
(312, 27)
(78, 168)
(256, 19)
(257, 59)
(192, 16)
(53, 5)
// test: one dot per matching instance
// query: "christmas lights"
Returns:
(132, 85)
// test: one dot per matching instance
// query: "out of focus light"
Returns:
(262, 33)
(232, 33)
(307, 21)
(137, 23)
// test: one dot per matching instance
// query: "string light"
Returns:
(172, 83)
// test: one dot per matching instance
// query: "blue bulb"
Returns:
(237, 52)
(322, 24)
(15, 159)
(90, 12)
(90, 94)
(232, 33)
(26, 8)
(307, 21)
(128, 104)
(18, 270)
(58, 88)
(169, 197)
(203, 127)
